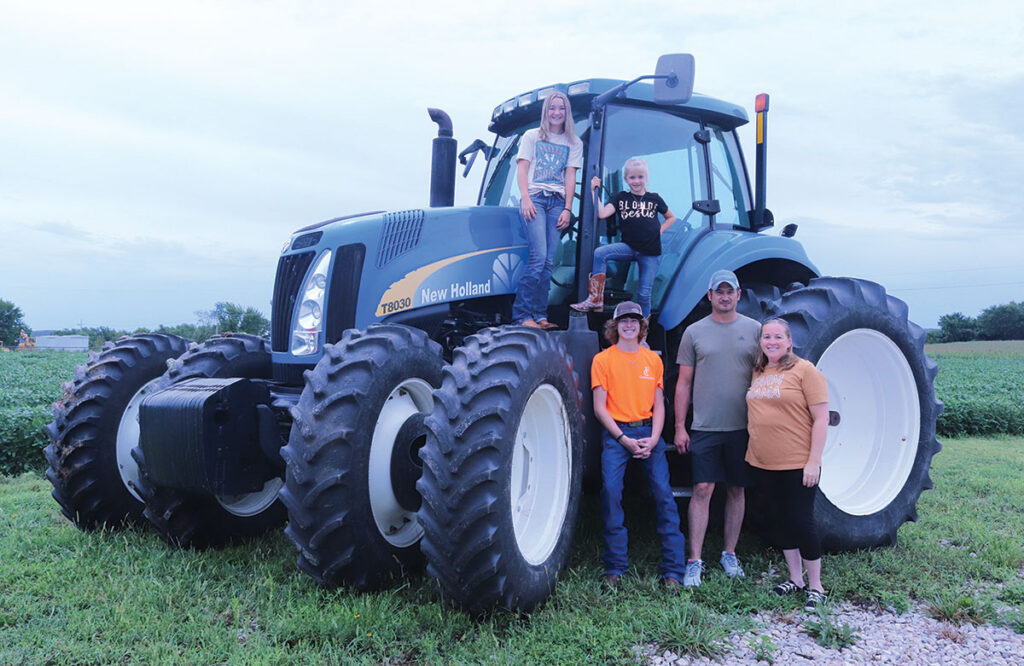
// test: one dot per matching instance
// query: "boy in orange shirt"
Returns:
(628, 401)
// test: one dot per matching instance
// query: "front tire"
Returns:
(196, 520)
(502, 470)
(880, 383)
(95, 428)
(353, 457)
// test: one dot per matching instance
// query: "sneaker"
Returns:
(731, 564)
(670, 584)
(694, 568)
(610, 580)
(789, 587)
(814, 600)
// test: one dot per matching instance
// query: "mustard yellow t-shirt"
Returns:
(778, 415)
(630, 378)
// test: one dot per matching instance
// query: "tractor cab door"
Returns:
(678, 171)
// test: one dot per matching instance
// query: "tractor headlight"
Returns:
(309, 323)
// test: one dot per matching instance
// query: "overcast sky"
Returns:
(154, 157)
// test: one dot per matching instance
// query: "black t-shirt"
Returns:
(638, 220)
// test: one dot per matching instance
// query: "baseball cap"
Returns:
(628, 309)
(718, 277)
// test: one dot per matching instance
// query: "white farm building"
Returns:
(63, 342)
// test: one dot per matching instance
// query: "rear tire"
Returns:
(196, 520)
(502, 470)
(353, 457)
(96, 426)
(880, 383)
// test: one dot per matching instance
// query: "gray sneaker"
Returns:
(694, 568)
(731, 565)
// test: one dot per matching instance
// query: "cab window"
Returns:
(499, 185)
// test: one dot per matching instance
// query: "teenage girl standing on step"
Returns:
(548, 158)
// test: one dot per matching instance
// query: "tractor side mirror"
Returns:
(673, 83)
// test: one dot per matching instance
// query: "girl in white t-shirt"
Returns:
(548, 158)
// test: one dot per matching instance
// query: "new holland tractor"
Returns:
(396, 419)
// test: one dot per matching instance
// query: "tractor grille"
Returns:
(290, 271)
(344, 295)
(401, 234)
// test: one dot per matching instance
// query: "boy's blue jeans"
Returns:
(542, 236)
(646, 263)
(614, 457)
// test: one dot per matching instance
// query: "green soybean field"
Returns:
(30, 381)
(979, 382)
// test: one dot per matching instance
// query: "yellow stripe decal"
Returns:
(400, 295)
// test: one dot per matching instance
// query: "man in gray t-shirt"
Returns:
(716, 356)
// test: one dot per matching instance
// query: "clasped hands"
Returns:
(640, 448)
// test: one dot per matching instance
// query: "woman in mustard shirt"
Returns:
(787, 418)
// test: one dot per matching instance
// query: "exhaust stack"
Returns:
(442, 161)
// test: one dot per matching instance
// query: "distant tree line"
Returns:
(223, 318)
(998, 322)
(12, 323)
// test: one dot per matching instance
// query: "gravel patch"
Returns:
(881, 638)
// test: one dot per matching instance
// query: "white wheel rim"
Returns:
(540, 481)
(396, 524)
(251, 504)
(870, 454)
(128, 438)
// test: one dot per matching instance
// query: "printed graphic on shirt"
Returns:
(646, 374)
(766, 387)
(638, 208)
(552, 159)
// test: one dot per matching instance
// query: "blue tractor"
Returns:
(397, 419)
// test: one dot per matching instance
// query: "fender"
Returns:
(733, 250)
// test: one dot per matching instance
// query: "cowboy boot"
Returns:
(595, 301)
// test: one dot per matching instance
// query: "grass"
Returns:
(827, 632)
(105, 597)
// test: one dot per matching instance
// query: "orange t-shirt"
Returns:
(778, 415)
(630, 378)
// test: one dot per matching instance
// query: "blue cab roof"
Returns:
(525, 107)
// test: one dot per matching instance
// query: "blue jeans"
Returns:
(542, 235)
(647, 264)
(614, 457)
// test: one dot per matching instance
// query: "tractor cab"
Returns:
(694, 160)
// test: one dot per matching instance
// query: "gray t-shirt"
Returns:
(722, 356)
